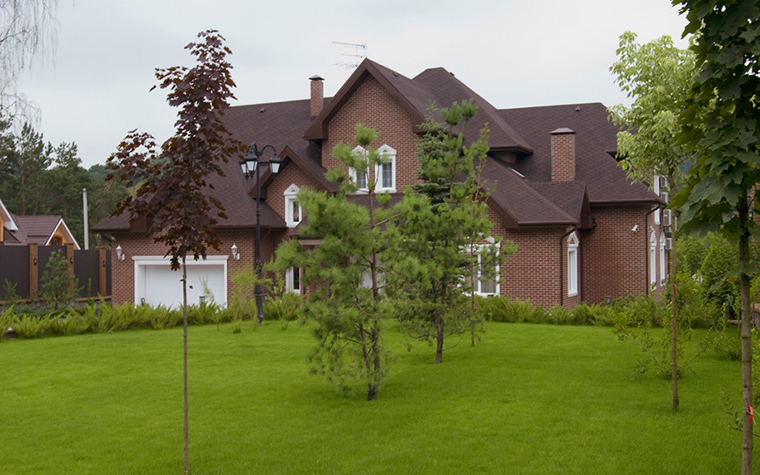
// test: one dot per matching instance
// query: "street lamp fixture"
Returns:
(249, 166)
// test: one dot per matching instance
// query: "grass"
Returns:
(527, 399)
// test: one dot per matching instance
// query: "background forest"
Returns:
(39, 178)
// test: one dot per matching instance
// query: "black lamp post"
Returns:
(250, 165)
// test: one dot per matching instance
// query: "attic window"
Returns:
(517, 173)
(293, 212)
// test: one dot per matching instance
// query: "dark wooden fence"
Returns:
(24, 266)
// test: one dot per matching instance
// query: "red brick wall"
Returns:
(123, 277)
(615, 258)
(373, 106)
(563, 156)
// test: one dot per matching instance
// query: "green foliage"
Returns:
(446, 215)
(347, 268)
(657, 76)
(283, 308)
(691, 251)
(7, 317)
(10, 292)
(57, 287)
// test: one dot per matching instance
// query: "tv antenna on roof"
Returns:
(360, 52)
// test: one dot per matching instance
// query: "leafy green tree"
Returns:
(658, 76)
(346, 270)
(175, 189)
(721, 126)
(444, 248)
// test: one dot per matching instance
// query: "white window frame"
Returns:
(656, 189)
(290, 200)
(652, 259)
(572, 264)
(663, 276)
(353, 174)
(477, 287)
(387, 152)
(290, 280)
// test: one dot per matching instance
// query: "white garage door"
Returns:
(156, 283)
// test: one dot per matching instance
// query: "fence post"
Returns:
(102, 271)
(33, 270)
(70, 265)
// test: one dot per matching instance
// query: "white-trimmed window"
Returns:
(483, 282)
(572, 265)
(359, 177)
(652, 259)
(293, 213)
(293, 280)
(386, 173)
(663, 276)
(656, 189)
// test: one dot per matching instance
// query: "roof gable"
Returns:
(413, 96)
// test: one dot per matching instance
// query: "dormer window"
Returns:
(359, 177)
(293, 212)
(385, 173)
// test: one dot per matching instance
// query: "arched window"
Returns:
(652, 259)
(572, 264)
(359, 177)
(386, 173)
(293, 213)
(663, 273)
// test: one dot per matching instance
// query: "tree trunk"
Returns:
(184, 335)
(672, 268)
(439, 339)
(746, 332)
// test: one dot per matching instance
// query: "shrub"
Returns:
(6, 320)
(57, 287)
(284, 308)
(28, 326)
(558, 315)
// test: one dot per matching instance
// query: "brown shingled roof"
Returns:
(595, 137)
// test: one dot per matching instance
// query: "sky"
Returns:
(94, 86)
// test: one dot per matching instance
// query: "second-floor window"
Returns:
(385, 173)
(293, 214)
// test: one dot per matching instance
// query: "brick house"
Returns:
(584, 231)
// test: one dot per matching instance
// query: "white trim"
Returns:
(142, 262)
(656, 189)
(289, 280)
(387, 152)
(652, 259)
(66, 232)
(663, 276)
(572, 264)
(477, 282)
(352, 173)
(290, 201)
(10, 224)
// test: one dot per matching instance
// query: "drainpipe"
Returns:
(646, 249)
(562, 266)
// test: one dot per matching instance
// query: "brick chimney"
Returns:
(317, 95)
(563, 154)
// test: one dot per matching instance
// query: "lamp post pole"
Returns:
(249, 164)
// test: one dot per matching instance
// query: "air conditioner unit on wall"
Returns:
(665, 196)
(663, 182)
(669, 244)
(667, 217)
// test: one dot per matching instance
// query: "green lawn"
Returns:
(527, 399)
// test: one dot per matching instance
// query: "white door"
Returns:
(156, 283)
